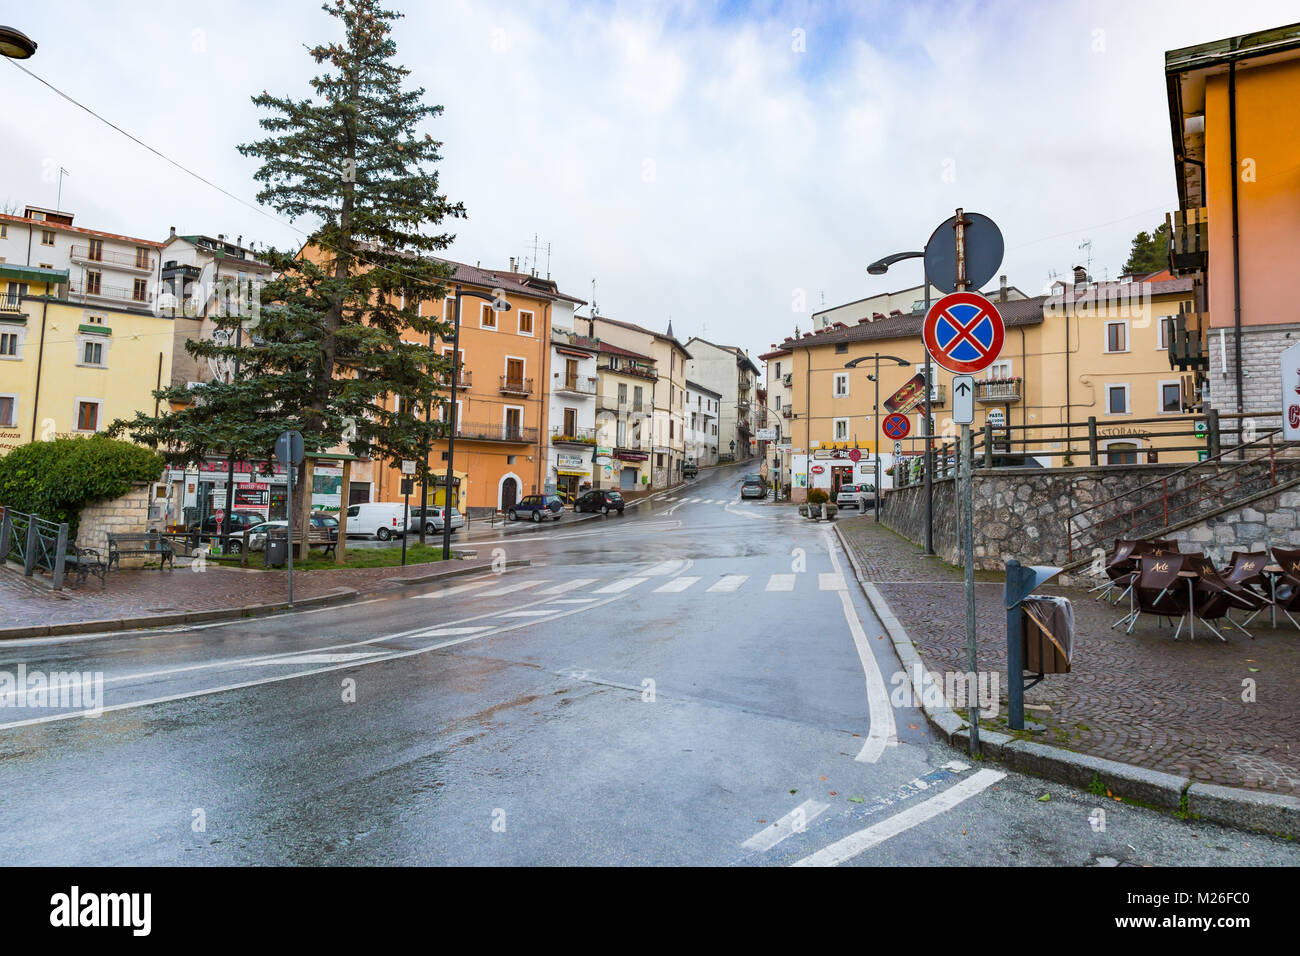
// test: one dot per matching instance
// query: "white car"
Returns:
(861, 497)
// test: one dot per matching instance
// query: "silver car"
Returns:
(433, 520)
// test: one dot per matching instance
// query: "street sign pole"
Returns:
(968, 533)
(289, 452)
(926, 430)
(288, 501)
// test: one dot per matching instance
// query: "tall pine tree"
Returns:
(324, 354)
(1149, 252)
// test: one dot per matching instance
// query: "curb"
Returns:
(340, 595)
(1274, 813)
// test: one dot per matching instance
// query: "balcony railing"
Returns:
(1187, 346)
(579, 384)
(516, 386)
(640, 371)
(787, 412)
(997, 390)
(1189, 240)
(573, 436)
(10, 302)
(626, 408)
(787, 379)
(79, 287)
(463, 379)
(121, 260)
(496, 432)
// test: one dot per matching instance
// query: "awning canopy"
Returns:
(10, 270)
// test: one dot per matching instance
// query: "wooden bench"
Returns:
(325, 538)
(148, 544)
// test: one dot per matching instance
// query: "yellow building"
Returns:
(1086, 367)
(69, 368)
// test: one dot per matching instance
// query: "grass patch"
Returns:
(353, 558)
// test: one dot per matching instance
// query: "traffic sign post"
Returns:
(289, 452)
(963, 332)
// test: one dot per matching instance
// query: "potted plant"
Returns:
(816, 499)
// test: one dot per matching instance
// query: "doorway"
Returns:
(509, 492)
(627, 479)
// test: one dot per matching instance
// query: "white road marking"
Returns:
(956, 766)
(573, 585)
(456, 631)
(575, 601)
(780, 582)
(664, 568)
(314, 659)
(856, 843)
(541, 612)
(458, 589)
(618, 587)
(510, 588)
(882, 732)
(729, 582)
(830, 582)
(675, 585)
(796, 821)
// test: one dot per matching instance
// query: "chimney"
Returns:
(1080, 275)
(894, 312)
(876, 315)
(173, 232)
(1002, 288)
(512, 263)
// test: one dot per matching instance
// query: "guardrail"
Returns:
(35, 543)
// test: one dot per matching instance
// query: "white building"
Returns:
(571, 414)
(780, 395)
(730, 373)
(104, 269)
(702, 410)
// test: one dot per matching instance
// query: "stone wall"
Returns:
(126, 515)
(1261, 352)
(1023, 512)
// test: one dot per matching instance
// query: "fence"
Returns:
(34, 543)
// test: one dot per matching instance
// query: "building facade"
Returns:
(624, 419)
(702, 410)
(731, 373)
(571, 422)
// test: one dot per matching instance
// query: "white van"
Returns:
(380, 518)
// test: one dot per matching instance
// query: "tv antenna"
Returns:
(1086, 245)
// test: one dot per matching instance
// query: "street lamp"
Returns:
(15, 44)
(499, 304)
(879, 268)
(876, 417)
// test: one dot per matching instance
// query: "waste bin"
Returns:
(1047, 634)
(276, 553)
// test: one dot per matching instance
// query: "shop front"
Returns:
(630, 470)
(572, 475)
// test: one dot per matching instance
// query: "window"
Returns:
(999, 369)
(515, 374)
(88, 416)
(1117, 336)
(11, 345)
(142, 260)
(92, 283)
(96, 251)
(1171, 398)
(140, 290)
(622, 394)
(841, 384)
(778, 366)
(1117, 400)
(525, 323)
(47, 237)
(841, 348)
(1166, 323)
(94, 320)
(778, 403)
(92, 353)
(570, 422)
(841, 429)
(8, 411)
(671, 433)
(4, 231)
(487, 318)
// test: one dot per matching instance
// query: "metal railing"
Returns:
(516, 386)
(80, 287)
(35, 543)
(1239, 472)
(129, 260)
(573, 436)
(1008, 391)
(636, 370)
(496, 432)
(582, 384)
(10, 302)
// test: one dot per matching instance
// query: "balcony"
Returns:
(1188, 348)
(79, 287)
(516, 386)
(510, 434)
(577, 385)
(997, 391)
(118, 260)
(639, 371)
(626, 408)
(787, 379)
(1189, 240)
(10, 302)
(463, 379)
(573, 436)
(787, 412)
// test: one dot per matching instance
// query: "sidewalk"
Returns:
(150, 593)
(1139, 698)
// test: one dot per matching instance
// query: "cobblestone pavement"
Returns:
(1141, 698)
(133, 593)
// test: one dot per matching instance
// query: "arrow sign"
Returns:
(963, 400)
(963, 332)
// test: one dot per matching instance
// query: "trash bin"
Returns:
(276, 553)
(1047, 634)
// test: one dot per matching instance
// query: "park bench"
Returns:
(85, 562)
(324, 538)
(150, 544)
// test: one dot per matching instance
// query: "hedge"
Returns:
(56, 479)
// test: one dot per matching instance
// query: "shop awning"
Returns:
(573, 474)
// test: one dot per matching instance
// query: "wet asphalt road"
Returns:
(698, 681)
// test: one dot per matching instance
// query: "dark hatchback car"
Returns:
(537, 507)
(601, 500)
(232, 524)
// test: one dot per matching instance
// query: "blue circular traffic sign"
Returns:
(896, 426)
(963, 332)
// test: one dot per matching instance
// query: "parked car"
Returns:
(319, 520)
(753, 487)
(861, 497)
(602, 500)
(690, 470)
(433, 520)
(233, 524)
(381, 518)
(537, 507)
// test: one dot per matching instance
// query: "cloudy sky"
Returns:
(730, 166)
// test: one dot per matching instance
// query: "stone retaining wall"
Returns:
(126, 515)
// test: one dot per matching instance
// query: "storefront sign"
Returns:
(570, 462)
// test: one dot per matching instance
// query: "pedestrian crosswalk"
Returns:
(567, 592)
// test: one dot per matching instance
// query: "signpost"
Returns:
(896, 426)
(963, 332)
(408, 485)
(289, 452)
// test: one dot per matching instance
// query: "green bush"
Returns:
(56, 479)
(817, 497)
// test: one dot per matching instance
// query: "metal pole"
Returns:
(406, 517)
(230, 459)
(1015, 640)
(968, 560)
(451, 434)
(929, 438)
(876, 449)
(289, 523)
